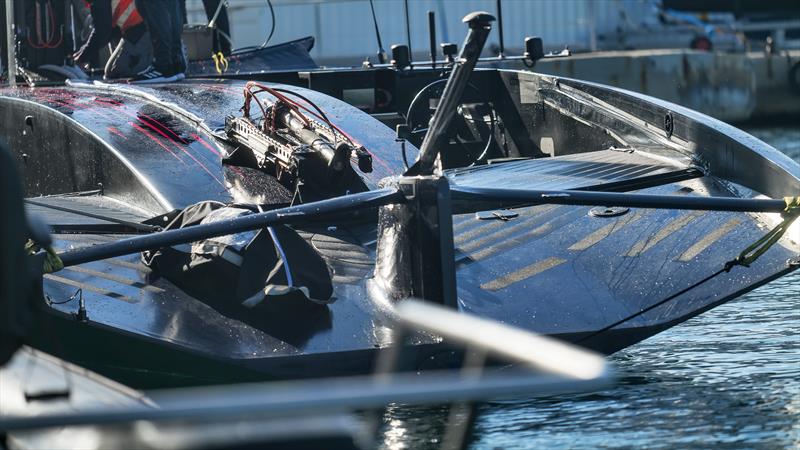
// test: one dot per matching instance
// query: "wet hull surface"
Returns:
(557, 270)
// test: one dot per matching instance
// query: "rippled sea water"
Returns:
(729, 378)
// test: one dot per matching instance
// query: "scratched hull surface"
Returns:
(553, 269)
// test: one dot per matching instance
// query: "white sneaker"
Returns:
(151, 75)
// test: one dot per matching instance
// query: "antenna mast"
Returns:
(408, 32)
(381, 51)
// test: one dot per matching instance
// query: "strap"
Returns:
(52, 262)
(220, 62)
(213, 22)
(758, 248)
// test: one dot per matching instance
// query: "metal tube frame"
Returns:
(298, 398)
(11, 58)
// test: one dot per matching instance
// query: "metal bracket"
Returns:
(415, 243)
(611, 211)
(669, 124)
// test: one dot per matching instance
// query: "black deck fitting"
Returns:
(478, 19)
(415, 243)
(479, 28)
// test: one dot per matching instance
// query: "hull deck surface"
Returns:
(557, 270)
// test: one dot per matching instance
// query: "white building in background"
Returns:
(345, 33)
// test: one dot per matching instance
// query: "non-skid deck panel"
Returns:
(93, 204)
(558, 266)
(565, 172)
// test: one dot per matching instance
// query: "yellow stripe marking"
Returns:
(709, 239)
(480, 230)
(87, 287)
(138, 266)
(503, 232)
(605, 231)
(672, 227)
(522, 274)
(513, 242)
(116, 278)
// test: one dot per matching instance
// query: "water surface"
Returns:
(729, 378)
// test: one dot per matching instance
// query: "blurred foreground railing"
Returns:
(541, 366)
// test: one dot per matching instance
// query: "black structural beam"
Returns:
(293, 214)
(479, 28)
(472, 199)
(415, 256)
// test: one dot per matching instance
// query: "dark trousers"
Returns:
(165, 23)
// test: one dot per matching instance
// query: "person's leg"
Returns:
(159, 21)
(176, 41)
(183, 11)
(143, 48)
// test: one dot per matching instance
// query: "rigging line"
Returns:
(272, 27)
(213, 22)
(381, 51)
(653, 306)
(75, 194)
(322, 115)
(282, 254)
(73, 297)
(408, 32)
(135, 225)
(745, 258)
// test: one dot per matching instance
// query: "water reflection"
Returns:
(728, 378)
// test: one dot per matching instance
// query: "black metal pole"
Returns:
(414, 256)
(292, 214)
(470, 199)
(500, 27)
(11, 44)
(479, 28)
(432, 36)
(381, 51)
(408, 32)
(299, 398)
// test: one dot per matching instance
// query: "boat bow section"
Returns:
(570, 270)
(76, 140)
(575, 270)
(125, 153)
(155, 148)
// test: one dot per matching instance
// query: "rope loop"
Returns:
(758, 248)
(220, 62)
(52, 262)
